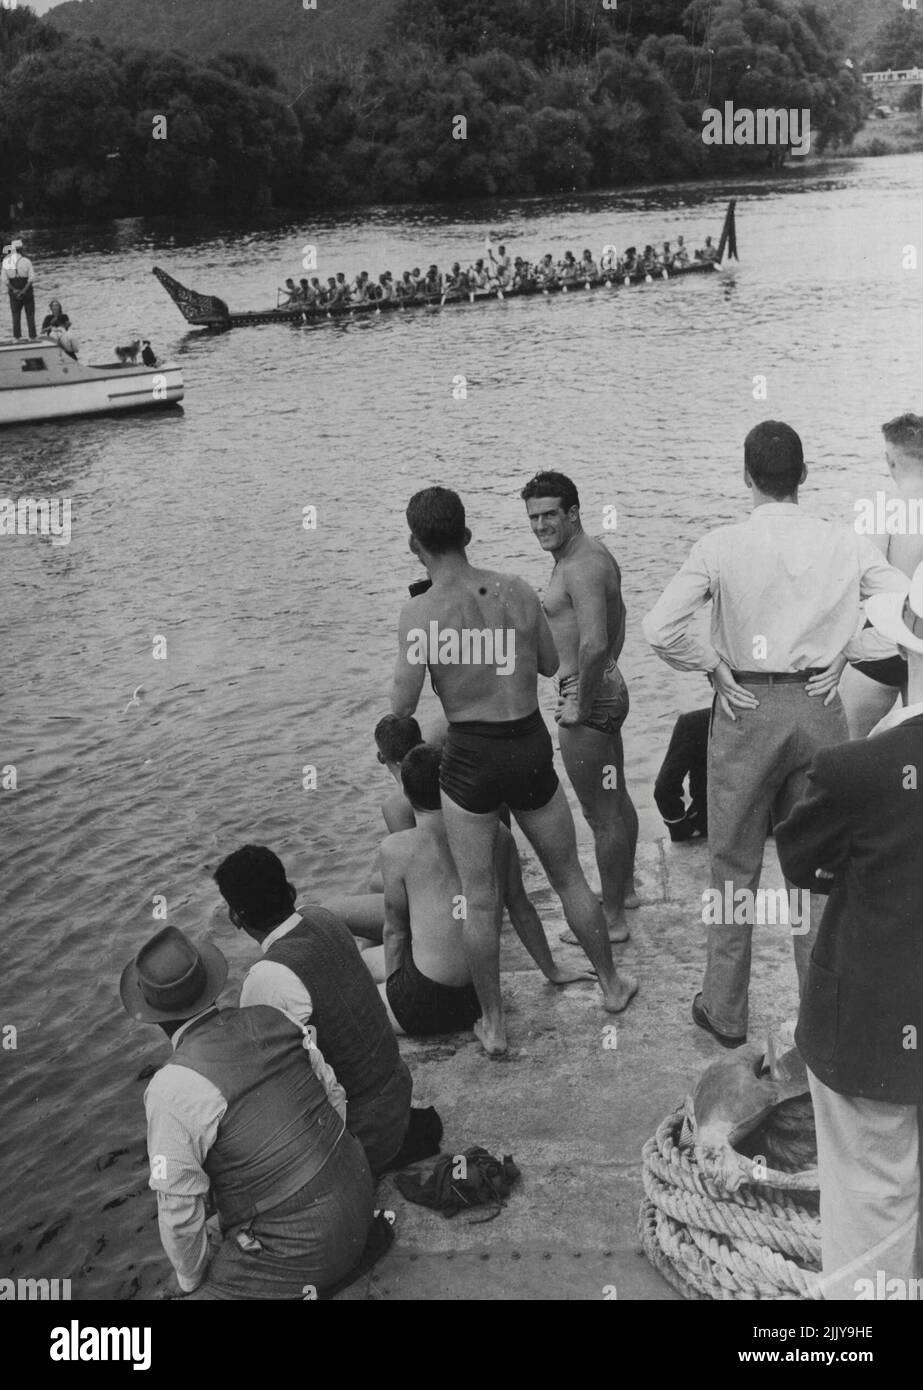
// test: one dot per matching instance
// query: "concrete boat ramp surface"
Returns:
(571, 1108)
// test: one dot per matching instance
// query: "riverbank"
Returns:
(898, 134)
(573, 1110)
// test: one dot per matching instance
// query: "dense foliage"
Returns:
(555, 96)
(898, 43)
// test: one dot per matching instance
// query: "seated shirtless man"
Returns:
(421, 968)
(485, 640)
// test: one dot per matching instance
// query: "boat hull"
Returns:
(38, 381)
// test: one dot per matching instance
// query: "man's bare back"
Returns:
(495, 619)
(420, 861)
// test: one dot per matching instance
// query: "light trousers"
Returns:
(868, 1157)
(757, 767)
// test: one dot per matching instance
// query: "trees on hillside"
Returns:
(898, 43)
(91, 132)
(478, 97)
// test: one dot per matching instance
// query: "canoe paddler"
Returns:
(18, 278)
(501, 263)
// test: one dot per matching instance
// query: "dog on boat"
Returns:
(128, 353)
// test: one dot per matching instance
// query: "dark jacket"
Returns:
(860, 1028)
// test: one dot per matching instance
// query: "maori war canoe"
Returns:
(208, 311)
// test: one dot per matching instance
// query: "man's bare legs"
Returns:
(595, 766)
(550, 831)
(472, 841)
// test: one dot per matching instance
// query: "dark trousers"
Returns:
(687, 756)
(16, 307)
(307, 1244)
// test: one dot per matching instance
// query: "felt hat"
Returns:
(170, 978)
(900, 618)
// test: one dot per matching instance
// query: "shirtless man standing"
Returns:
(484, 639)
(870, 688)
(421, 968)
(587, 618)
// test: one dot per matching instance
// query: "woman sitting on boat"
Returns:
(589, 270)
(57, 326)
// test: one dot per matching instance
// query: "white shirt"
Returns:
(897, 716)
(270, 983)
(184, 1110)
(782, 575)
(16, 265)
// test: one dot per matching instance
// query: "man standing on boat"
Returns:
(485, 640)
(786, 590)
(18, 278)
(586, 614)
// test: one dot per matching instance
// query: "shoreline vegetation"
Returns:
(431, 101)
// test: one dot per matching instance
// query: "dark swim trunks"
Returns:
(890, 670)
(422, 1006)
(485, 765)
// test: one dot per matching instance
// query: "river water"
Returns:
(280, 639)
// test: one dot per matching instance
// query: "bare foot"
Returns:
(492, 1037)
(617, 934)
(620, 994)
(632, 900)
(561, 976)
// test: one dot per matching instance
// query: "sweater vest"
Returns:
(353, 1030)
(279, 1128)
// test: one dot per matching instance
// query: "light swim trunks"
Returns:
(610, 707)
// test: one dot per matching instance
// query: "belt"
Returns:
(777, 677)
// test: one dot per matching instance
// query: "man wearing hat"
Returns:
(857, 835)
(245, 1111)
(18, 278)
(786, 590)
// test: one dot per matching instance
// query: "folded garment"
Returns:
(474, 1178)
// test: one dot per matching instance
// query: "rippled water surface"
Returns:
(280, 640)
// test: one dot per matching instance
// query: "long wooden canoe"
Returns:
(208, 311)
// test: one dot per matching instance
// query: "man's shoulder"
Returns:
(399, 845)
(593, 559)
